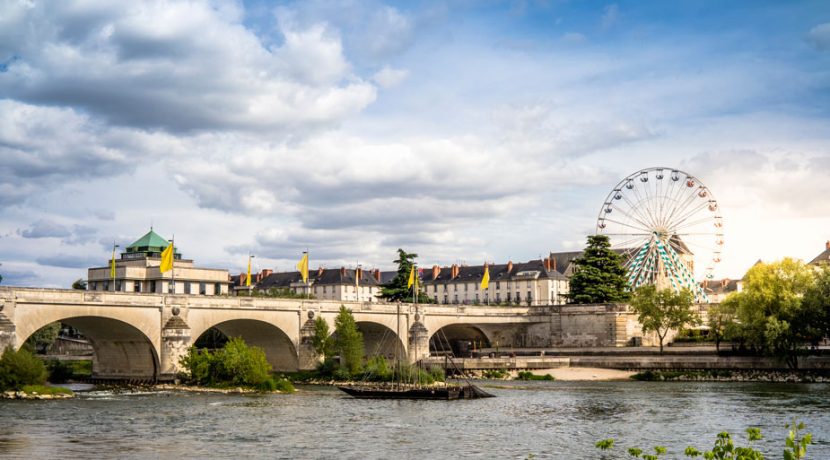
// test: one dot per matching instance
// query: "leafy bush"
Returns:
(20, 368)
(494, 374)
(236, 364)
(59, 371)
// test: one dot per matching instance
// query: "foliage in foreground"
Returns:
(44, 337)
(725, 448)
(348, 342)
(20, 368)
(235, 364)
(44, 390)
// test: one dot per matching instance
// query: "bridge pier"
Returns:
(306, 355)
(418, 341)
(7, 331)
(175, 341)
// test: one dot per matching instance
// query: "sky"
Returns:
(464, 131)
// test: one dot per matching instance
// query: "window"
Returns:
(217, 289)
(171, 287)
(153, 286)
(446, 300)
(324, 289)
(508, 297)
(497, 285)
(436, 298)
(137, 286)
(92, 286)
(476, 297)
(455, 288)
(187, 287)
(202, 288)
(435, 289)
(498, 298)
(465, 287)
(528, 296)
(456, 298)
(106, 286)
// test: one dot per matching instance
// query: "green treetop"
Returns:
(397, 289)
(599, 276)
(663, 310)
(348, 341)
(772, 311)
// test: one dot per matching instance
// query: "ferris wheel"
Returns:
(667, 226)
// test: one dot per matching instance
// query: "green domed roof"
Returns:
(150, 240)
(150, 245)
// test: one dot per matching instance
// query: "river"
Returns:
(545, 419)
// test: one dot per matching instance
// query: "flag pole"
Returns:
(173, 263)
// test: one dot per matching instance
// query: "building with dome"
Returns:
(137, 271)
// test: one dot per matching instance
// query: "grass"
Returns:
(45, 390)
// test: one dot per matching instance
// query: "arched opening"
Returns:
(119, 350)
(459, 339)
(379, 340)
(278, 348)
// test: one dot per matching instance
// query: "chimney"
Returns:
(320, 271)
(342, 271)
(827, 245)
(509, 266)
(454, 271)
(548, 266)
(358, 273)
(436, 270)
(376, 274)
(724, 282)
(553, 264)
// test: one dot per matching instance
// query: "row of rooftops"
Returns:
(534, 269)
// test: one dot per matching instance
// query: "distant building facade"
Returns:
(530, 283)
(823, 258)
(326, 284)
(137, 270)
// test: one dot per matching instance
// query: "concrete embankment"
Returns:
(634, 362)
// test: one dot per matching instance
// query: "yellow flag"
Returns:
(112, 265)
(485, 280)
(248, 279)
(167, 259)
(411, 277)
(302, 266)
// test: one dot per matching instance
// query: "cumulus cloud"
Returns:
(819, 36)
(45, 147)
(178, 66)
(45, 229)
(388, 77)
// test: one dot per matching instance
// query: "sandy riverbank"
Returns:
(585, 373)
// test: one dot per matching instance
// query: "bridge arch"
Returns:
(120, 349)
(279, 349)
(460, 338)
(380, 340)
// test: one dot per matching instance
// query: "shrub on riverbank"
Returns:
(527, 375)
(20, 368)
(235, 364)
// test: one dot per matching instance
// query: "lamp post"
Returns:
(112, 265)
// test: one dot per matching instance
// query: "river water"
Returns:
(545, 419)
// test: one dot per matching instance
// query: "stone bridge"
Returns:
(142, 336)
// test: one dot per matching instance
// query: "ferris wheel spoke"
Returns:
(680, 209)
(626, 225)
(646, 208)
(694, 223)
(676, 199)
(636, 209)
(628, 244)
(633, 218)
(689, 214)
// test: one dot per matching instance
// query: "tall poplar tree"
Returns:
(599, 276)
(348, 342)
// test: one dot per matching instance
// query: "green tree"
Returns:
(20, 368)
(721, 323)
(663, 310)
(599, 276)
(79, 284)
(770, 308)
(348, 341)
(235, 363)
(44, 337)
(397, 289)
(322, 341)
(815, 312)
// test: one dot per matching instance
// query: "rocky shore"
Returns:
(774, 376)
(34, 395)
